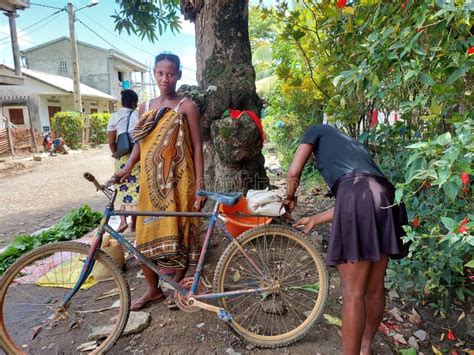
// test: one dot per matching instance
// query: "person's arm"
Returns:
(308, 223)
(194, 122)
(112, 141)
(122, 174)
(302, 155)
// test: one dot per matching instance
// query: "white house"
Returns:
(42, 95)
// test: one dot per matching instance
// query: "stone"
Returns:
(137, 322)
(421, 334)
(37, 158)
(231, 351)
(273, 307)
(91, 345)
(413, 343)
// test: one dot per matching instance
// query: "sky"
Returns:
(98, 18)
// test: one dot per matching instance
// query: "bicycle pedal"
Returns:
(225, 316)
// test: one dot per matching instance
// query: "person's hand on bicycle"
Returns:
(123, 173)
(289, 203)
(199, 203)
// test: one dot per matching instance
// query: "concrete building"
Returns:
(103, 69)
(32, 104)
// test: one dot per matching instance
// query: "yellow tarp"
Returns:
(65, 275)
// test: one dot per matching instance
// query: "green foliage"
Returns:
(72, 226)
(147, 18)
(68, 125)
(428, 172)
(98, 122)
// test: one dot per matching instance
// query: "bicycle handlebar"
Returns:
(89, 177)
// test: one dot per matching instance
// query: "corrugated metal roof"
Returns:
(65, 84)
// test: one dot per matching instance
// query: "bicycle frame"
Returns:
(215, 219)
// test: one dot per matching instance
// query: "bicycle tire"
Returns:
(39, 334)
(225, 280)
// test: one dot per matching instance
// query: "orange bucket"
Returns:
(239, 224)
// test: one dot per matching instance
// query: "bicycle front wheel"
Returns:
(293, 277)
(33, 319)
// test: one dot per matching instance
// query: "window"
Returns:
(94, 110)
(63, 67)
(16, 116)
(120, 76)
(52, 110)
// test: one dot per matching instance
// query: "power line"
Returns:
(24, 32)
(9, 40)
(98, 35)
(48, 6)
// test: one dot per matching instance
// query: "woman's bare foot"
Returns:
(148, 297)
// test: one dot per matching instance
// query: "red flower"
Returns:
(451, 335)
(465, 178)
(464, 221)
(462, 229)
(470, 50)
(405, 4)
(426, 185)
(416, 222)
(341, 3)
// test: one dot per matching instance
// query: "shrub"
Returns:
(432, 177)
(68, 125)
(98, 122)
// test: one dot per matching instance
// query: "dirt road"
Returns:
(35, 195)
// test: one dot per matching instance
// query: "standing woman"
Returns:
(366, 228)
(127, 193)
(169, 148)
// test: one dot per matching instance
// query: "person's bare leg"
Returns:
(133, 224)
(354, 278)
(374, 302)
(123, 224)
(153, 293)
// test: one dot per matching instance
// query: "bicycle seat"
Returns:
(227, 198)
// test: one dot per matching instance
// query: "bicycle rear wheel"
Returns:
(295, 275)
(33, 319)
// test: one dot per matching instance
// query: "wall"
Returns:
(93, 67)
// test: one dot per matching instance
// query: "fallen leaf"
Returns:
(332, 320)
(413, 343)
(395, 312)
(236, 277)
(36, 331)
(414, 317)
(461, 316)
(436, 350)
(399, 338)
(441, 338)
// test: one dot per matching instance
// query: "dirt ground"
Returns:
(36, 194)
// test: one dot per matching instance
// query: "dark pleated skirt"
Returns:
(362, 228)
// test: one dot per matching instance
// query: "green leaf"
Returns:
(449, 223)
(451, 189)
(470, 264)
(444, 139)
(398, 195)
(427, 79)
(314, 288)
(456, 75)
(417, 145)
(409, 351)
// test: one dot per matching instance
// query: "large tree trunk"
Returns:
(227, 78)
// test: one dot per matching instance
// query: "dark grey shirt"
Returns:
(337, 154)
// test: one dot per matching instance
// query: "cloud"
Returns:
(6, 56)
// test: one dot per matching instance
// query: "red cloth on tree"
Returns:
(237, 113)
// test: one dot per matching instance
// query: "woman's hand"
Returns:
(307, 223)
(199, 203)
(124, 173)
(289, 204)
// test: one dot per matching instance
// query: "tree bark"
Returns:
(227, 78)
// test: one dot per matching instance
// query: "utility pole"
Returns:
(75, 59)
(15, 48)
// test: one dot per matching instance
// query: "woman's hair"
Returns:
(129, 98)
(173, 58)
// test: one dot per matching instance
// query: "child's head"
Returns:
(167, 72)
(129, 99)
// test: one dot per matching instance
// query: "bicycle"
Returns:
(270, 282)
